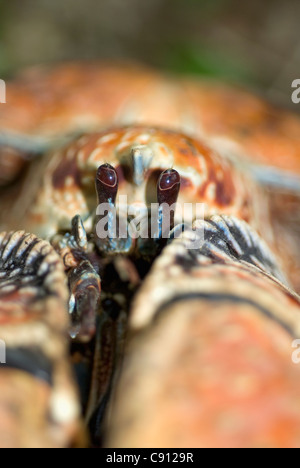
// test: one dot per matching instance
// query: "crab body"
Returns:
(46, 106)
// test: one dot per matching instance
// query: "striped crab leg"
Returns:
(38, 399)
(209, 363)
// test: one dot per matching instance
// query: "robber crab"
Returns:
(47, 106)
(234, 274)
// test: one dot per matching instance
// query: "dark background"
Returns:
(255, 43)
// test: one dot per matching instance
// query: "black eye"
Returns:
(107, 175)
(168, 187)
(168, 179)
(107, 183)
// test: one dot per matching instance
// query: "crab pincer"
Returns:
(84, 281)
(85, 290)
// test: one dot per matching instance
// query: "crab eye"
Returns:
(107, 175)
(107, 183)
(168, 187)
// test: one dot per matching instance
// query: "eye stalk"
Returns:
(107, 223)
(168, 187)
(107, 184)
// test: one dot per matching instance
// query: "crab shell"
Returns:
(209, 362)
(45, 106)
(38, 402)
(54, 193)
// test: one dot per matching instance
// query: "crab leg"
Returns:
(38, 400)
(210, 363)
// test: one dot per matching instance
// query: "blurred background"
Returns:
(255, 43)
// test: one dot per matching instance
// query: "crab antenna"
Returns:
(141, 160)
(79, 232)
(168, 187)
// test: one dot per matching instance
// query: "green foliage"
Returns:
(3, 55)
(207, 6)
(205, 60)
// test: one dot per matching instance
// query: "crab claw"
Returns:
(85, 288)
(84, 281)
(73, 246)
